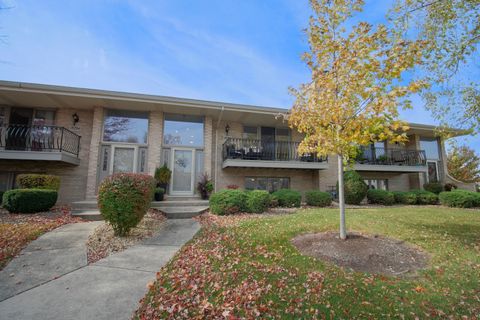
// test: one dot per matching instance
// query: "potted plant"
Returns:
(159, 192)
(163, 175)
(205, 186)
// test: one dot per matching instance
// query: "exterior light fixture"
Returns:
(227, 129)
(75, 119)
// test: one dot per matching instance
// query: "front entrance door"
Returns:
(182, 165)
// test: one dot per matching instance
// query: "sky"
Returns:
(223, 50)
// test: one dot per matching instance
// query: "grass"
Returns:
(248, 268)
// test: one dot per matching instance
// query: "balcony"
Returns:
(253, 153)
(47, 143)
(391, 160)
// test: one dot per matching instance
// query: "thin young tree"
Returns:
(356, 86)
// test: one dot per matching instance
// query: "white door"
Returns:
(124, 159)
(183, 171)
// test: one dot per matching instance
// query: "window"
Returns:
(381, 184)
(125, 126)
(270, 184)
(250, 133)
(183, 130)
(431, 148)
(43, 118)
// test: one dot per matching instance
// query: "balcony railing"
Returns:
(391, 156)
(39, 138)
(253, 149)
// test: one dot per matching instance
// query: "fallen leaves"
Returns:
(102, 242)
(17, 230)
(244, 267)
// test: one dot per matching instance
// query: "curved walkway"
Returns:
(51, 278)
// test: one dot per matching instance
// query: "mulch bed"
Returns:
(17, 230)
(102, 242)
(364, 253)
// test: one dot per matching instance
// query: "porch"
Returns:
(45, 143)
(263, 153)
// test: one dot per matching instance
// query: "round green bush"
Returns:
(288, 198)
(355, 188)
(434, 187)
(38, 181)
(460, 199)
(318, 198)
(124, 198)
(29, 200)
(377, 196)
(228, 201)
(258, 201)
(405, 197)
(425, 197)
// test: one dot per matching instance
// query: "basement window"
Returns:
(271, 184)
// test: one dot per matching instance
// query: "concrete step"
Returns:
(90, 215)
(183, 212)
(181, 198)
(178, 203)
(84, 205)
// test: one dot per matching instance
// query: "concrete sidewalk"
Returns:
(107, 289)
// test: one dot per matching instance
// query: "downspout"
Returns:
(216, 147)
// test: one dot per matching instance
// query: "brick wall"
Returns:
(155, 140)
(96, 138)
(73, 178)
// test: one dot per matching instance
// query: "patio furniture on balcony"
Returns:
(52, 143)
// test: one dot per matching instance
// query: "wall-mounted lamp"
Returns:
(227, 129)
(75, 119)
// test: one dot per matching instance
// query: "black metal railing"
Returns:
(253, 149)
(391, 156)
(39, 138)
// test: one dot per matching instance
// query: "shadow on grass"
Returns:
(463, 232)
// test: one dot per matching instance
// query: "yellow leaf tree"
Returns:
(356, 86)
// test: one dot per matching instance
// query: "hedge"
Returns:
(29, 200)
(258, 201)
(288, 198)
(434, 187)
(318, 198)
(124, 198)
(460, 198)
(378, 196)
(425, 197)
(38, 181)
(354, 186)
(405, 197)
(228, 201)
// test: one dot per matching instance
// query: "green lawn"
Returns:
(248, 268)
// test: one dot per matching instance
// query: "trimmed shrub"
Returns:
(288, 198)
(124, 198)
(434, 187)
(38, 181)
(405, 197)
(29, 200)
(450, 186)
(425, 197)
(318, 198)
(355, 188)
(225, 202)
(460, 199)
(258, 201)
(378, 196)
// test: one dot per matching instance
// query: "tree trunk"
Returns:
(341, 198)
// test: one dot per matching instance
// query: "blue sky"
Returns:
(236, 51)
